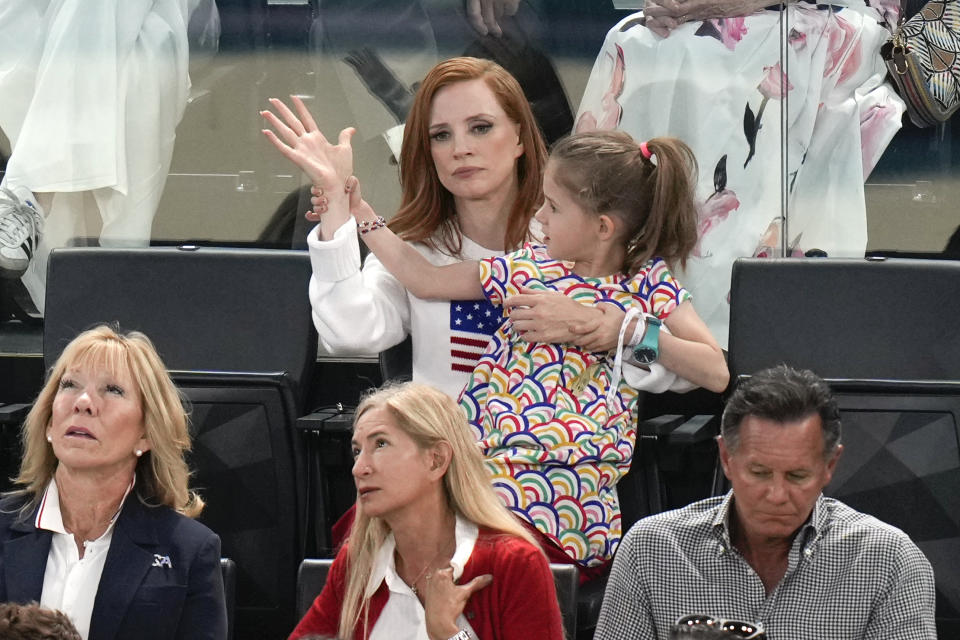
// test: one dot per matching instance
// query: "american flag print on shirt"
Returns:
(472, 322)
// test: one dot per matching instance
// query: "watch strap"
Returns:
(648, 350)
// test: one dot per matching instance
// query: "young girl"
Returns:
(557, 424)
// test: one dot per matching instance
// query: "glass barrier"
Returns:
(786, 108)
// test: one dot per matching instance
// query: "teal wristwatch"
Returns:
(648, 351)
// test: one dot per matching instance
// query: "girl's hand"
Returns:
(444, 600)
(298, 138)
(359, 208)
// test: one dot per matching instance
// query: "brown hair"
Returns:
(162, 473)
(427, 213)
(33, 622)
(606, 172)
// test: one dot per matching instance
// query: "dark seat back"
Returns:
(894, 319)
(396, 363)
(901, 464)
(566, 579)
(205, 309)
(248, 466)
(311, 577)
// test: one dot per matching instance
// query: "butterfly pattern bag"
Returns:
(924, 62)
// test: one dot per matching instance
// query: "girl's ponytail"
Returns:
(670, 228)
(648, 185)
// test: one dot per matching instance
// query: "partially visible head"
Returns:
(607, 172)
(161, 422)
(779, 446)
(427, 205)
(33, 622)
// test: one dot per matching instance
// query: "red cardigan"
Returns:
(520, 604)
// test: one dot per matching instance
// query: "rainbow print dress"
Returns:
(553, 445)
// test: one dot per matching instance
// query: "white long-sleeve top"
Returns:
(365, 311)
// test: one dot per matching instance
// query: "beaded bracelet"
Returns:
(367, 226)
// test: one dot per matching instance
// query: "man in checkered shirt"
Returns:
(773, 550)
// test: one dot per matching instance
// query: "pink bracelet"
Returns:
(367, 226)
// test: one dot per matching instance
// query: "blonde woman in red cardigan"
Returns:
(433, 552)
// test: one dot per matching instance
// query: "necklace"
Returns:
(413, 584)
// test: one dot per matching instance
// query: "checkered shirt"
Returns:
(849, 577)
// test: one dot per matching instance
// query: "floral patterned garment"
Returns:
(722, 86)
(554, 447)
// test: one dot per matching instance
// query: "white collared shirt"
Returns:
(403, 616)
(70, 582)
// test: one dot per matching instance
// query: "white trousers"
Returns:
(92, 93)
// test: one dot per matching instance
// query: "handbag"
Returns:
(923, 58)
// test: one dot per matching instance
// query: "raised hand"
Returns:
(298, 138)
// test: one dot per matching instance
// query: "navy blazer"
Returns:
(161, 579)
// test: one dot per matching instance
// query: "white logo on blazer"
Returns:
(161, 561)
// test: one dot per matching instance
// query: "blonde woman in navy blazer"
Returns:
(102, 525)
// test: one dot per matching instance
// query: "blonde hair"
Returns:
(162, 473)
(607, 172)
(429, 417)
(427, 213)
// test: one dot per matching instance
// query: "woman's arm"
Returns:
(204, 612)
(354, 311)
(330, 167)
(526, 596)
(691, 352)
(552, 317)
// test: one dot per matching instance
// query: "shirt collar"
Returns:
(49, 516)
(808, 532)
(721, 520)
(384, 568)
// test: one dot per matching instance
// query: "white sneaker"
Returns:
(21, 223)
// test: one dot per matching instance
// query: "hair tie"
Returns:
(645, 151)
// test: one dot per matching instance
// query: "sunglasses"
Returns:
(735, 628)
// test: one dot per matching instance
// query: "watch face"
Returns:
(645, 355)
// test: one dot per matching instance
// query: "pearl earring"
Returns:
(138, 452)
(49, 438)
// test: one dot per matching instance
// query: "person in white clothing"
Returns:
(92, 94)
(787, 111)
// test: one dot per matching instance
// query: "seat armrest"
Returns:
(660, 426)
(696, 429)
(331, 420)
(14, 413)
